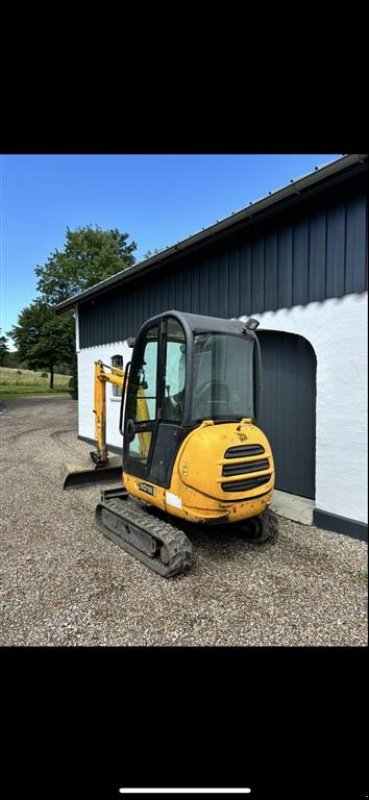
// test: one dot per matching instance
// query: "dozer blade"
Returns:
(82, 474)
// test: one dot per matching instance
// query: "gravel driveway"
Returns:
(63, 583)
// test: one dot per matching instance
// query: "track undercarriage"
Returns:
(159, 545)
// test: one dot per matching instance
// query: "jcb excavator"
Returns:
(191, 448)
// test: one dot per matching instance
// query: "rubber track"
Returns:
(128, 513)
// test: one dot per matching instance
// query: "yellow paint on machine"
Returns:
(198, 481)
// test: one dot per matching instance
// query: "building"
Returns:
(297, 261)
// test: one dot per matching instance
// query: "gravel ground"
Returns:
(63, 583)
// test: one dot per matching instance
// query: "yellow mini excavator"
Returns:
(191, 448)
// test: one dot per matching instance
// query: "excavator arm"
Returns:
(103, 375)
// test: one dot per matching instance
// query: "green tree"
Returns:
(43, 339)
(3, 349)
(13, 360)
(90, 255)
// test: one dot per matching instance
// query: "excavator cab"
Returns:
(185, 369)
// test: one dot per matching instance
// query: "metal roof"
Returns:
(291, 192)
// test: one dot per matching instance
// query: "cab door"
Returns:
(143, 404)
(154, 407)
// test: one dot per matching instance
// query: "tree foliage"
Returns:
(3, 349)
(13, 360)
(90, 255)
(43, 339)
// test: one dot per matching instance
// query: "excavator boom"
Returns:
(100, 466)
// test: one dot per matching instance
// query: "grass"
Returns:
(363, 576)
(26, 382)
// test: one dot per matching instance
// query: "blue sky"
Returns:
(157, 199)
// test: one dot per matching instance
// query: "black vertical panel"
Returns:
(135, 315)
(187, 289)
(172, 291)
(223, 303)
(257, 275)
(137, 301)
(91, 327)
(96, 320)
(82, 324)
(132, 316)
(143, 313)
(164, 293)
(154, 289)
(111, 306)
(127, 313)
(145, 290)
(195, 290)
(271, 270)
(317, 255)
(99, 319)
(117, 329)
(204, 286)
(119, 320)
(336, 237)
(157, 295)
(141, 317)
(102, 314)
(204, 289)
(179, 290)
(300, 286)
(234, 282)
(285, 243)
(356, 240)
(245, 278)
(288, 415)
(213, 285)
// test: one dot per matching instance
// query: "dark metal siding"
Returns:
(315, 250)
(288, 409)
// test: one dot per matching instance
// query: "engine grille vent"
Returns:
(244, 485)
(249, 466)
(244, 450)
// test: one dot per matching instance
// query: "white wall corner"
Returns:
(86, 420)
(76, 320)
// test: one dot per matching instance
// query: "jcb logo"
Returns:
(242, 437)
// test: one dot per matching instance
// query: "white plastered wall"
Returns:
(337, 330)
(86, 417)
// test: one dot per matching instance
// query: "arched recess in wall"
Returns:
(288, 408)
